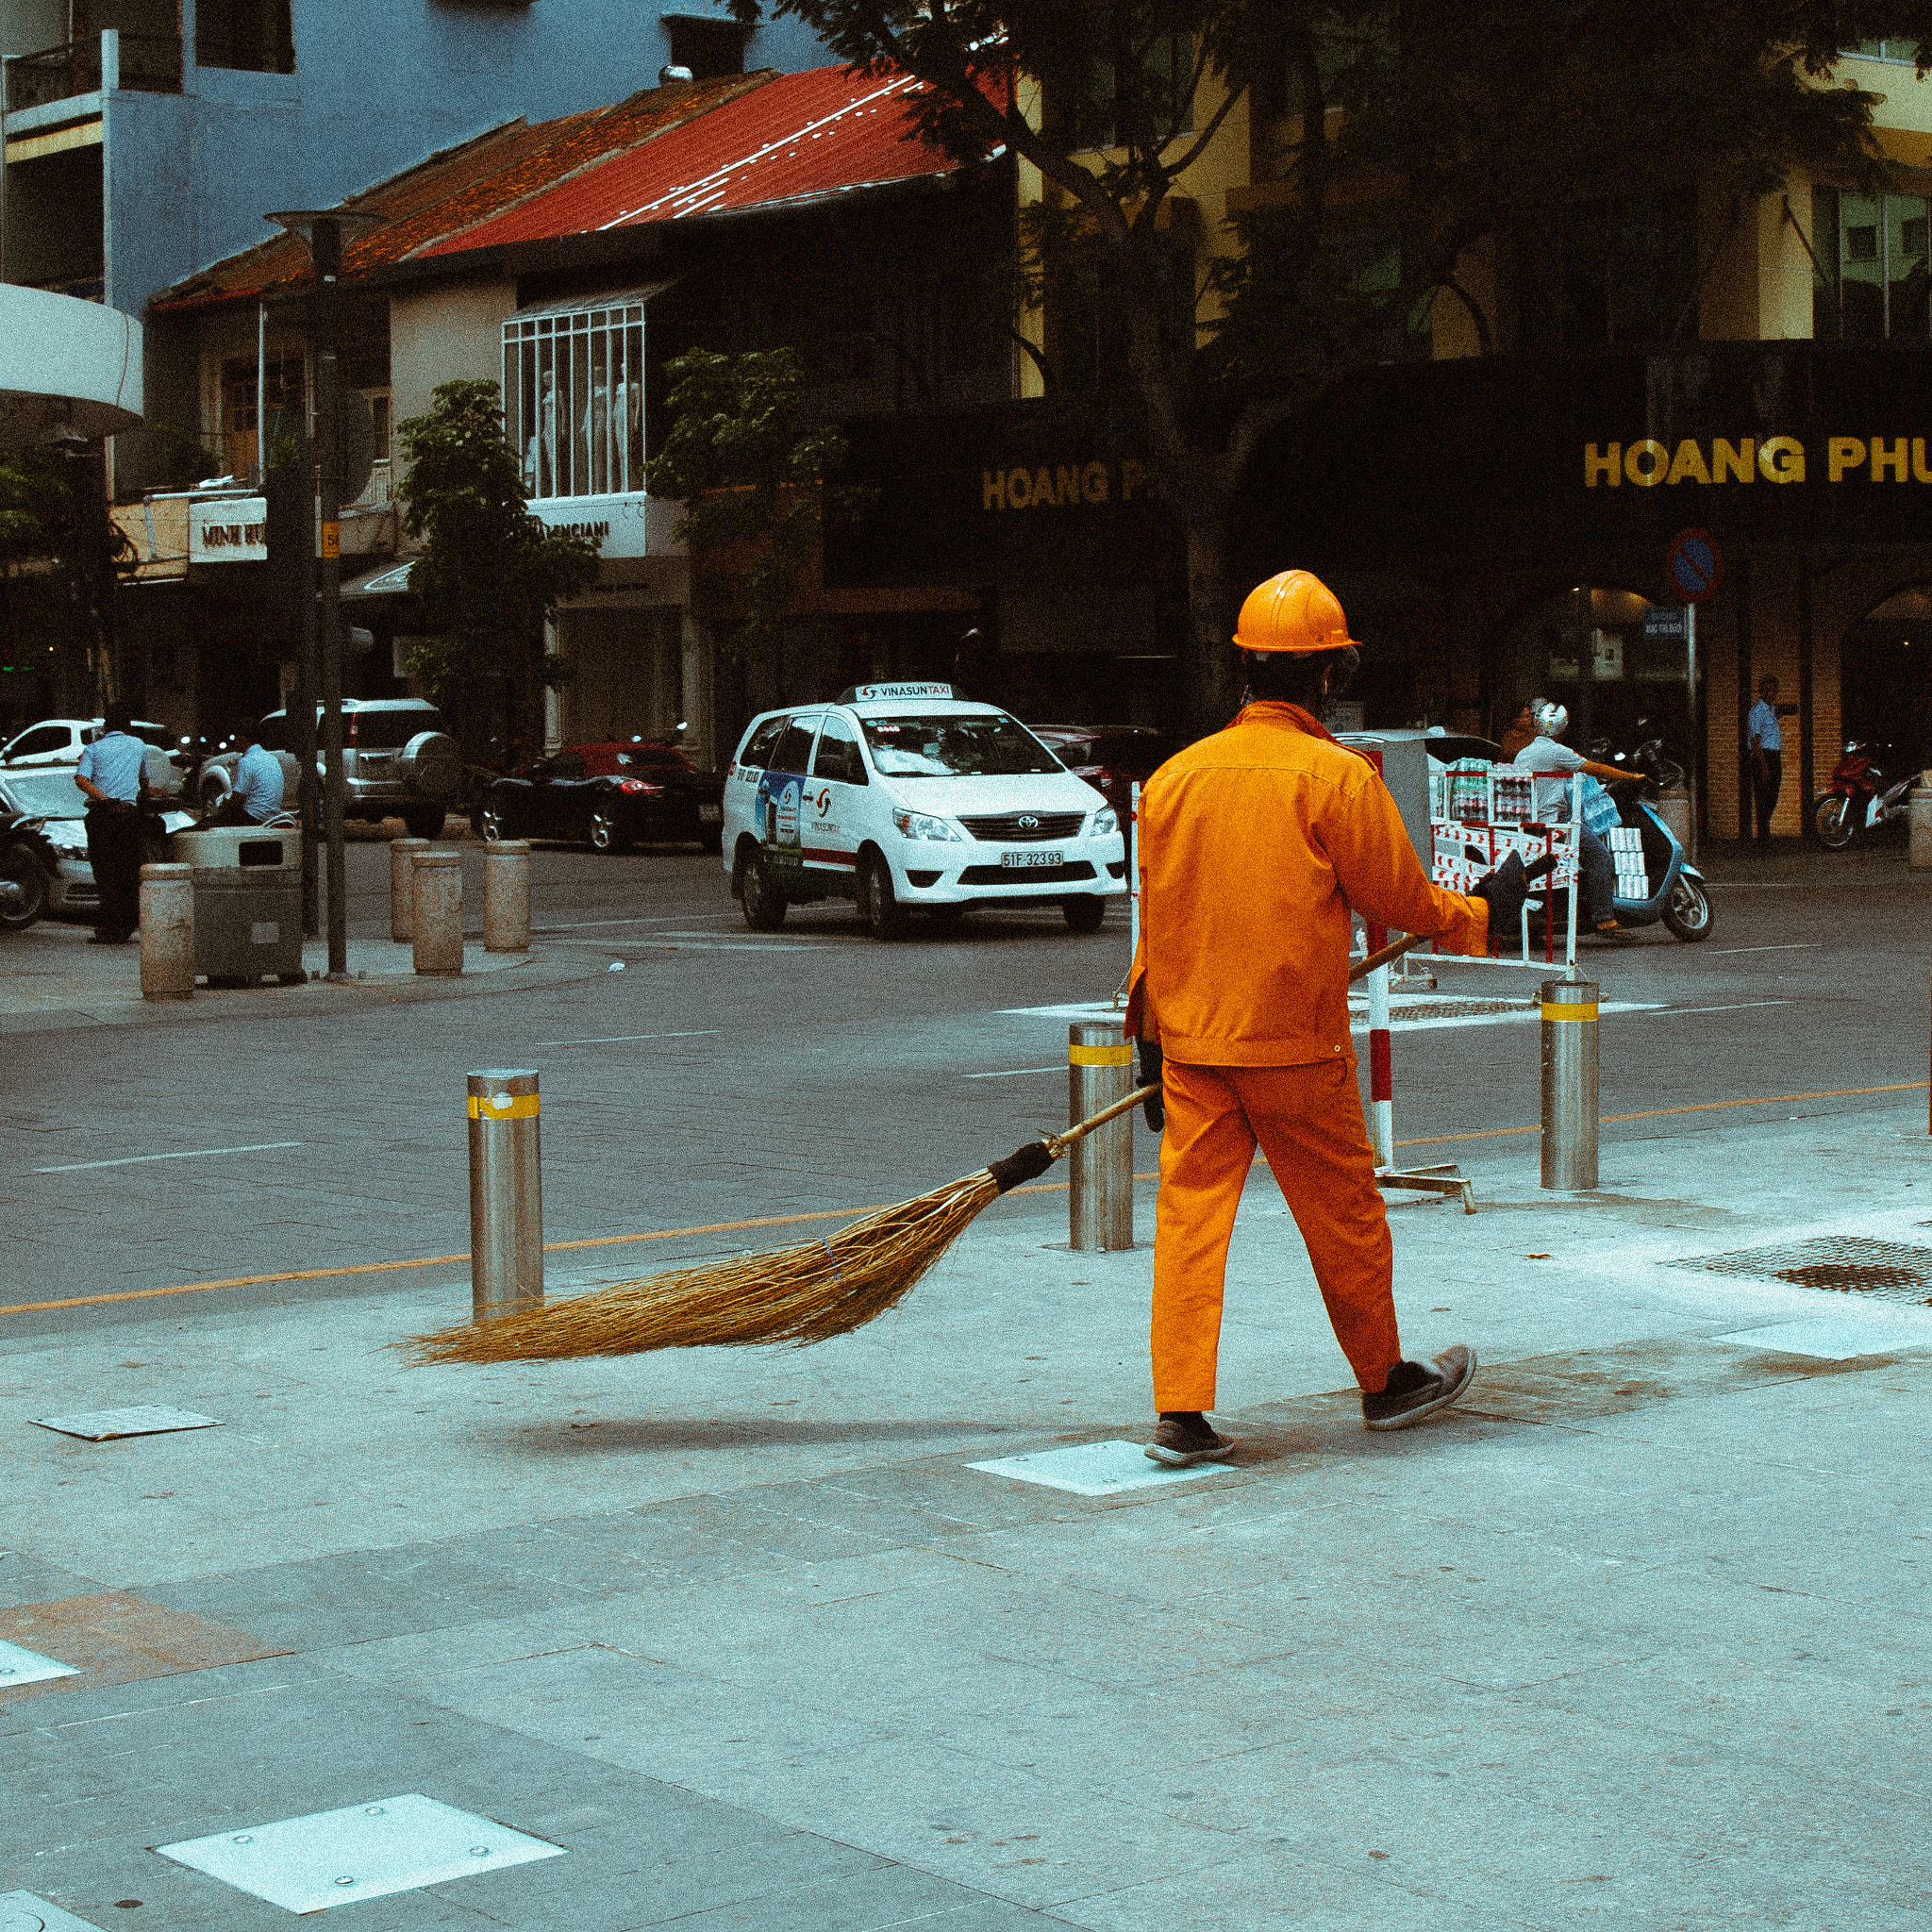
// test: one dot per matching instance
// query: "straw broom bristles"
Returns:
(807, 1293)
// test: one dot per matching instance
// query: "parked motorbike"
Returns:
(1648, 760)
(1673, 890)
(1860, 801)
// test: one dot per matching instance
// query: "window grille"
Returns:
(573, 399)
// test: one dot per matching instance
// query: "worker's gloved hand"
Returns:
(1152, 1108)
(1506, 889)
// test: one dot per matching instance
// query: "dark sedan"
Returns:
(606, 795)
(1111, 758)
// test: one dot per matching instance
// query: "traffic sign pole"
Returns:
(1690, 679)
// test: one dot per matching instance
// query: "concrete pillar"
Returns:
(507, 896)
(437, 914)
(402, 886)
(1920, 805)
(167, 932)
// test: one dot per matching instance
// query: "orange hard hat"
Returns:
(1292, 612)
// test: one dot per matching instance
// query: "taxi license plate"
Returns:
(710, 814)
(1015, 861)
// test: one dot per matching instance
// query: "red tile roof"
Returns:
(802, 136)
(497, 170)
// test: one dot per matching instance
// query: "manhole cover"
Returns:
(1837, 1264)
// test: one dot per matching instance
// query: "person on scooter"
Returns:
(1596, 869)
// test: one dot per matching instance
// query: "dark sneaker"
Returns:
(1184, 1439)
(1415, 1392)
(1616, 934)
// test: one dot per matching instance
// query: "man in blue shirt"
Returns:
(257, 796)
(112, 771)
(1767, 756)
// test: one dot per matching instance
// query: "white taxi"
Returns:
(902, 796)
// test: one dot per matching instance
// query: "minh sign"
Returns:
(1648, 463)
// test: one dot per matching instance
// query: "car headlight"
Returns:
(919, 825)
(1103, 821)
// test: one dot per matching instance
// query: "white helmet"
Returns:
(1549, 719)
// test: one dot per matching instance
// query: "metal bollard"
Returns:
(167, 932)
(1569, 1014)
(402, 886)
(1100, 1193)
(506, 1193)
(507, 896)
(1919, 805)
(438, 913)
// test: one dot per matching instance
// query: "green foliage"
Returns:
(54, 573)
(751, 482)
(177, 460)
(490, 572)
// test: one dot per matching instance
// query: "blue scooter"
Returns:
(1675, 891)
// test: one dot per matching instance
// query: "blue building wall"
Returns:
(377, 87)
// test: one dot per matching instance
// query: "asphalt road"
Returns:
(724, 1077)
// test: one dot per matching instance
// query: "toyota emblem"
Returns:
(1029, 824)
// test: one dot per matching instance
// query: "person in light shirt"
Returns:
(112, 772)
(1546, 751)
(1767, 757)
(259, 781)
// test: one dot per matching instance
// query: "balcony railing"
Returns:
(150, 63)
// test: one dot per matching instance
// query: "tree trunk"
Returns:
(1213, 666)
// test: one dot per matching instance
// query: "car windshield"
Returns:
(45, 794)
(955, 748)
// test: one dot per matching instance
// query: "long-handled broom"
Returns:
(806, 1292)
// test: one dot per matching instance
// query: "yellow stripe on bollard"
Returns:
(504, 1106)
(1569, 1012)
(1121, 1055)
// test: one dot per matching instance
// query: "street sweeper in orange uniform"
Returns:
(1254, 846)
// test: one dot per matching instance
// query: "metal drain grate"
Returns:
(1836, 1263)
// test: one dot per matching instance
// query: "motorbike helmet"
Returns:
(1549, 719)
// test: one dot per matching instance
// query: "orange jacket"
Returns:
(1254, 845)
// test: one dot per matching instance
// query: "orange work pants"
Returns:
(1308, 1122)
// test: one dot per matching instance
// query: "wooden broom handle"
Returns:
(1360, 970)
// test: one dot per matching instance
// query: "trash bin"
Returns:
(247, 901)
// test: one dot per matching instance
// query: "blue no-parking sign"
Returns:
(1695, 564)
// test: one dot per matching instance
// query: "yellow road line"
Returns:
(670, 1234)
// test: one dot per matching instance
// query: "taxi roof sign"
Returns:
(885, 693)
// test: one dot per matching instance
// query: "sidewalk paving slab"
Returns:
(1636, 1635)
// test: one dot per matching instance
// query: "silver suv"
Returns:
(398, 762)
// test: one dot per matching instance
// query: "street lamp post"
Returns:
(323, 230)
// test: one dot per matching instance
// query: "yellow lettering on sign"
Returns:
(1067, 481)
(1920, 473)
(1133, 478)
(1687, 464)
(1781, 459)
(1018, 489)
(1610, 468)
(1727, 462)
(992, 490)
(1094, 483)
(1043, 491)
(331, 540)
(1652, 452)
(1884, 459)
(1844, 453)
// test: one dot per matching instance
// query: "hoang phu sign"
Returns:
(1648, 463)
